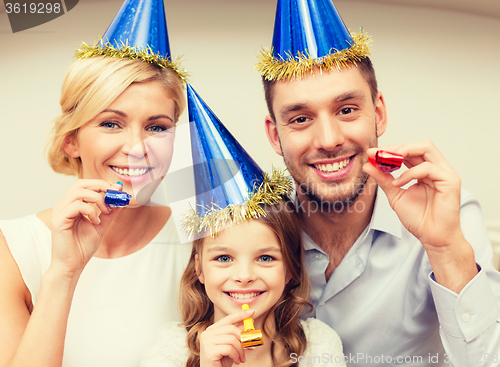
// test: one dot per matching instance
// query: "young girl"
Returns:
(258, 262)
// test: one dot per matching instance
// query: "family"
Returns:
(341, 264)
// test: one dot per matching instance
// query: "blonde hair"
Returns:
(197, 310)
(90, 86)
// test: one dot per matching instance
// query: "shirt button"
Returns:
(466, 317)
(319, 256)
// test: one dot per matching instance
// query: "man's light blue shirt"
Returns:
(387, 308)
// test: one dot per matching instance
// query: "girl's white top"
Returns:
(324, 348)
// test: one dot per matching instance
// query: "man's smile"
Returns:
(332, 167)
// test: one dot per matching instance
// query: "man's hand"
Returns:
(430, 209)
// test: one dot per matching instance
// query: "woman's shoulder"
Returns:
(30, 226)
(168, 349)
(28, 240)
(322, 342)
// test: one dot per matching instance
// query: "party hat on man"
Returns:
(309, 33)
(229, 185)
(138, 31)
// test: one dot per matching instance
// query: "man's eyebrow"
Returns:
(357, 94)
(291, 108)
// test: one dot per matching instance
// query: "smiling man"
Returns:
(404, 275)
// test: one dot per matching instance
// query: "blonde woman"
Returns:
(83, 284)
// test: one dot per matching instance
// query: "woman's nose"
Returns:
(134, 144)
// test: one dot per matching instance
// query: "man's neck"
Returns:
(336, 231)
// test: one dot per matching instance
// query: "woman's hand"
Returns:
(220, 343)
(79, 222)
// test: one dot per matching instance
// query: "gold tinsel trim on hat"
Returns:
(273, 69)
(271, 191)
(106, 49)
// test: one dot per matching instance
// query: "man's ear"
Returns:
(70, 146)
(272, 134)
(381, 114)
(197, 266)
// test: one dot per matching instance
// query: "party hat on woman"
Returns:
(138, 31)
(309, 33)
(229, 185)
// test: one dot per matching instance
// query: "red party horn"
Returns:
(387, 161)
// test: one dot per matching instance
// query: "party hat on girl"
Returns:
(138, 31)
(309, 33)
(229, 185)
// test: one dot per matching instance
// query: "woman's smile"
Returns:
(131, 140)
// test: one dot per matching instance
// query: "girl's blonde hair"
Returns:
(197, 309)
(90, 86)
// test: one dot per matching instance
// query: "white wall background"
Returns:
(438, 70)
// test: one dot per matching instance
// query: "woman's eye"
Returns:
(266, 258)
(156, 129)
(223, 258)
(108, 124)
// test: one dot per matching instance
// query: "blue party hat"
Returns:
(309, 33)
(142, 24)
(138, 31)
(230, 186)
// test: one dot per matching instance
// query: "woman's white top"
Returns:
(119, 304)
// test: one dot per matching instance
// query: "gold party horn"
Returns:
(250, 337)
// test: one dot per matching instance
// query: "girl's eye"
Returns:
(266, 258)
(156, 129)
(108, 124)
(223, 258)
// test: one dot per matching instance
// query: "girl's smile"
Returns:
(243, 264)
(244, 296)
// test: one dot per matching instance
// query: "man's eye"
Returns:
(300, 120)
(266, 258)
(346, 111)
(223, 258)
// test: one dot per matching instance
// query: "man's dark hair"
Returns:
(365, 66)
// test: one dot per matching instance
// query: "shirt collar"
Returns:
(384, 219)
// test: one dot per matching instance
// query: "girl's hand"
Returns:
(220, 343)
(79, 222)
